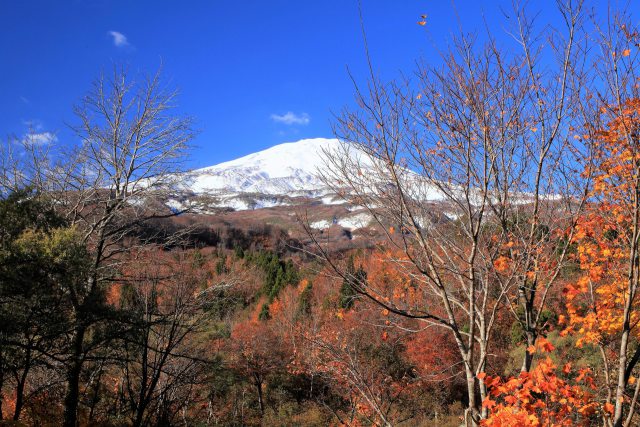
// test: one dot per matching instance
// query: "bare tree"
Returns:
(169, 299)
(473, 167)
(22, 162)
(549, 162)
(132, 148)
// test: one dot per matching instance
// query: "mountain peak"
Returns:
(279, 174)
(283, 169)
(302, 154)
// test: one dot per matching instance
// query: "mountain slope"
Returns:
(286, 178)
(284, 169)
(278, 175)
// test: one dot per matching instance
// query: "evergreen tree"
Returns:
(42, 263)
(264, 312)
(221, 265)
(354, 278)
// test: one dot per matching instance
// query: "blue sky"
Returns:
(241, 66)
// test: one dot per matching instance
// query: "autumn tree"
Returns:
(367, 366)
(466, 168)
(162, 354)
(258, 352)
(343, 361)
(602, 302)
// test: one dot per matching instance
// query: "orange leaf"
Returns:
(488, 403)
(511, 400)
(501, 264)
(608, 407)
(545, 345)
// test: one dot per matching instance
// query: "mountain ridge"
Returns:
(277, 170)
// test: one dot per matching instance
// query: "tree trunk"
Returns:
(20, 391)
(1, 383)
(527, 361)
(94, 398)
(142, 396)
(484, 412)
(260, 399)
(471, 413)
(139, 417)
(618, 415)
(530, 328)
(73, 380)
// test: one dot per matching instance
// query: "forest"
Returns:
(502, 289)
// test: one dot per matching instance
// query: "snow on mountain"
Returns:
(288, 175)
(353, 222)
(285, 169)
(273, 176)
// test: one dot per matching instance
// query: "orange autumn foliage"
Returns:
(502, 264)
(602, 303)
(545, 396)
(596, 301)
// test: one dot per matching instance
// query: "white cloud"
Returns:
(290, 118)
(40, 138)
(33, 125)
(119, 39)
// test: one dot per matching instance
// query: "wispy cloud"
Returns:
(290, 118)
(119, 39)
(40, 138)
(33, 125)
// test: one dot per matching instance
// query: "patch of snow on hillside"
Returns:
(320, 225)
(356, 221)
(174, 205)
(332, 200)
(236, 204)
(452, 215)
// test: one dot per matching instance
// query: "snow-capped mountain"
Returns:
(289, 175)
(278, 175)
(268, 178)
(280, 170)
